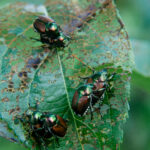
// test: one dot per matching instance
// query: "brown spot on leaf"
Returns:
(17, 98)
(33, 62)
(23, 74)
(10, 87)
(17, 108)
(5, 99)
(11, 111)
(14, 110)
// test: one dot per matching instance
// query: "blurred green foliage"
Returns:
(136, 16)
(142, 53)
(137, 128)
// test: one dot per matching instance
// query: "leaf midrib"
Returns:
(68, 101)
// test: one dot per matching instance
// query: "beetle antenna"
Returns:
(75, 56)
(35, 39)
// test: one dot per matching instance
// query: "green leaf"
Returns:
(139, 114)
(98, 40)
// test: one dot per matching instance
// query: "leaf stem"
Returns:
(69, 101)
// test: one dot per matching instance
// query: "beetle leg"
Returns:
(49, 129)
(45, 147)
(57, 141)
(35, 39)
(42, 45)
(99, 90)
(101, 100)
(91, 108)
(43, 143)
(41, 140)
(94, 96)
(84, 78)
(110, 91)
(100, 108)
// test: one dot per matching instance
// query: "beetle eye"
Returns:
(52, 118)
(53, 27)
(82, 92)
(61, 38)
(96, 80)
(87, 91)
(38, 115)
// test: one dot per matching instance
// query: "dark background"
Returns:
(136, 16)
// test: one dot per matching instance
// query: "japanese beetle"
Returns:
(92, 91)
(100, 80)
(41, 24)
(41, 126)
(83, 99)
(50, 32)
